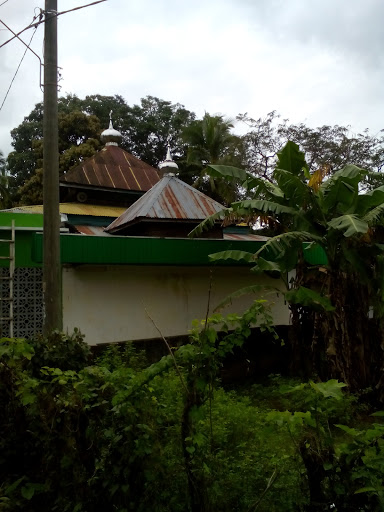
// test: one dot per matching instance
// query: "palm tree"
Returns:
(210, 141)
(328, 214)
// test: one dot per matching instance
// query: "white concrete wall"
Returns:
(108, 303)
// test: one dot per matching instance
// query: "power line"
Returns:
(5, 1)
(81, 7)
(32, 24)
(16, 35)
(27, 46)
(18, 67)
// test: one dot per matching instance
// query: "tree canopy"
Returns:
(4, 195)
(148, 127)
(210, 141)
(329, 147)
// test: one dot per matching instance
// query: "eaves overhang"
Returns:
(135, 193)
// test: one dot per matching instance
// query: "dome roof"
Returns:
(168, 165)
(110, 136)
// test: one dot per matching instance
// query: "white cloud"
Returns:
(319, 62)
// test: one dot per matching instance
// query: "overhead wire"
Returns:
(18, 67)
(81, 7)
(33, 24)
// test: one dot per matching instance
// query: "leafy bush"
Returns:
(121, 435)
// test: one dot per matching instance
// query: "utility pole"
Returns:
(52, 289)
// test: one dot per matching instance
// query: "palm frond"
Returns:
(279, 244)
(370, 200)
(260, 186)
(350, 174)
(263, 206)
(307, 297)
(291, 159)
(228, 171)
(374, 216)
(210, 221)
(249, 257)
(295, 189)
(350, 224)
(259, 289)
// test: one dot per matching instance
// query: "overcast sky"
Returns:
(313, 61)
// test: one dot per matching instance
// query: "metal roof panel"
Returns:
(75, 209)
(170, 199)
(114, 168)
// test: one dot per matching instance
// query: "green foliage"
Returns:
(210, 141)
(119, 434)
(307, 297)
(292, 160)
(339, 467)
(327, 148)
(349, 224)
(115, 356)
(4, 179)
(330, 302)
(146, 128)
(58, 350)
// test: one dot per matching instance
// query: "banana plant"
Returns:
(337, 297)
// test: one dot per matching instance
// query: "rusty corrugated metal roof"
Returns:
(245, 237)
(75, 209)
(90, 230)
(99, 231)
(169, 199)
(114, 168)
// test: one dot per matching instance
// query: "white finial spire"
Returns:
(111, 137)
(168, 166)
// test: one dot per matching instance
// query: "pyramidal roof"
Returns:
(113, 168)
(169, 199)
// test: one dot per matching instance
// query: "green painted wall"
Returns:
(140, 251)
(81, 249)
(34, 220)
(23, 252)
(24, 237)
(314, 254)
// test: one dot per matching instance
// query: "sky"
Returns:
(313, 61)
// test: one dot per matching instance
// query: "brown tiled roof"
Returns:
(114, 168)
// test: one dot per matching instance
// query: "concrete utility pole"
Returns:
(51, 244)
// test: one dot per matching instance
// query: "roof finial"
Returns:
(168, 166)
(111, 137)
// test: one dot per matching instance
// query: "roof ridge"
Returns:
(154, 191)
(197, 191)
(170, 199)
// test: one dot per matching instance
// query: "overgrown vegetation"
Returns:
(336, 298)
(119, 434)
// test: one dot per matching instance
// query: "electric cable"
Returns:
(18, 67)
(31, 25)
